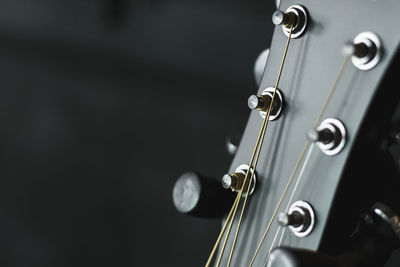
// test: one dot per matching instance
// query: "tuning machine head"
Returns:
(295, 16)
(300, 218)
(235, 180)
(263, 101)
(365, 50)
(330, 136)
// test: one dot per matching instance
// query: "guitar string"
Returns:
(259, 150)
(331, 91)
(292, 195)
(256, 149)
(279, 203)
(299, 179)
(235, 207)
(221, 234)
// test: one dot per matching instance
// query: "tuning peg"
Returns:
(235, 180)
(201, 196)
(359, 50)
(330, 136)
(371, 252)
(365, 50)
(259, 66)
(300, 218)
(232, 142)
(293, 20)
(262, 102)
(388, 217)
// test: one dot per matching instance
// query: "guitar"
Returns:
(317, 142)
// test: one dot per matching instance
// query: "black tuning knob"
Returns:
(386, 221)
(201, 196)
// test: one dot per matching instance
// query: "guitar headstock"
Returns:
(323, 102)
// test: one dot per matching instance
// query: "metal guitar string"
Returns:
(257, 148)
(235, 205)
(328, 98)
(291, 198)
(221, 234)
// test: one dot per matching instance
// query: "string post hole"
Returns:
(286, 19)
(294, 19)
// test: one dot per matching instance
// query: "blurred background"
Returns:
(104, 103)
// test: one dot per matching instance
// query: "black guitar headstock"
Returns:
(314, 137)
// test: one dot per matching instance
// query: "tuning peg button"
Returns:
(232, 142)
(386, 214)
(201, 196)
(259, 66)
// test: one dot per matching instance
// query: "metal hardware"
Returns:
(235, 180)
(386, 214)
(300, 218)
(263, 101)
(366, 50)
(295, 15)
(330, 136)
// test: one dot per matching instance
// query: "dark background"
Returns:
(104, 103)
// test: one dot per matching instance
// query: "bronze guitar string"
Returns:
(221, 234)
(266, 119)
(306, 146)
(291, 198)
(234, 208)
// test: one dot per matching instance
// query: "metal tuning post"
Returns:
(234, 181)
(330, 136)
(365, 50)
(263, 101)
(300, 218)
(295, 17)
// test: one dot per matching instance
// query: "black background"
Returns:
(104, 103)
